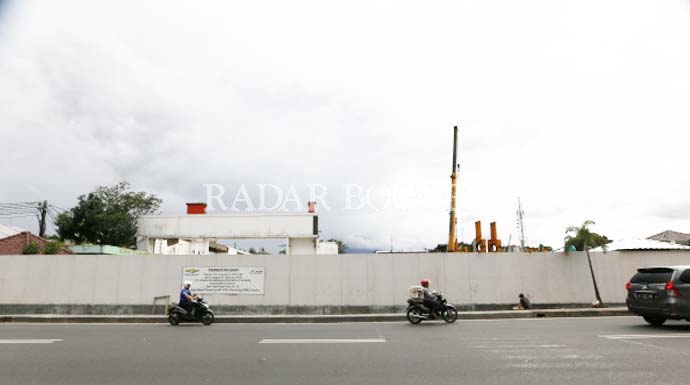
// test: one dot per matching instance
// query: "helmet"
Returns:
(425, 283)
(188, 283)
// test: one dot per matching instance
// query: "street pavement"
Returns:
(611, 350)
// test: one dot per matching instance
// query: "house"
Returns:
(14, 244)
(672, 237)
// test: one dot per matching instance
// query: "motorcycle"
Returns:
(202, 313)
(417, 311)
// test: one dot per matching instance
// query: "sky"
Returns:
(580, 108)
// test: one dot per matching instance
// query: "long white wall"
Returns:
(347, 279)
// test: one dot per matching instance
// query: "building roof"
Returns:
(671, 236)
(8, 231)
(641, 244)
(14, 244)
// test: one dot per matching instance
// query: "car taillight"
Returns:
(627, 286)
(672, 290)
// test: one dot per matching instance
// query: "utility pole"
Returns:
(521, 225)
(452, 241)
(42, 213)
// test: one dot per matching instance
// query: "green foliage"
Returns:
(31, 248)
(107, 216)
(581, 237)
(342, 246)
(52, 247)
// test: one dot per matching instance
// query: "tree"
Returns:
(107, 216)
(581, 235)
(342, 246)
(583, 239)
(52, 247)
(31, 248)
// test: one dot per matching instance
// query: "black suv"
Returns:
(660, 293)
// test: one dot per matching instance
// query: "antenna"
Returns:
(521, 225)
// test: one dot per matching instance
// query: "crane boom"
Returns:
(452, 241)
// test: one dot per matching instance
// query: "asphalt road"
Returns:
(613, 350)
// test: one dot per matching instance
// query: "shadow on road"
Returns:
(428, 324)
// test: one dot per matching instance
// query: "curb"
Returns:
(468, 315)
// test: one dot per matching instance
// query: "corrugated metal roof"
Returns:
(8, 231)
(671, 236)
(641, 244)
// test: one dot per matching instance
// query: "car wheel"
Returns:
(656, 321)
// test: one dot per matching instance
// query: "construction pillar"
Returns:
(494, 245)
(479, 242)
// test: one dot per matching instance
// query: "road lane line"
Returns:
(643, 336)
(322, 341)
(28, 341)
(519, 346)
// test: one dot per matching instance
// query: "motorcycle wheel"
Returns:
(207, 319)
(174, 319)
(414, 316)
(450, 315)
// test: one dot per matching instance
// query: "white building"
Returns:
(196, 232)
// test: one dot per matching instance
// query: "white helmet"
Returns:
(188, 283)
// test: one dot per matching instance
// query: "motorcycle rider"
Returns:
(186, 298)
(430, 300)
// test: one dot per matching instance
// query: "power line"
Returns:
(40, 210)
(16, 212)
(17, 216)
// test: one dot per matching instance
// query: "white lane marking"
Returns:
(652, 346)
(322, 341)
(519, 346)
(28, 341)
(543, 319)
(643, 336)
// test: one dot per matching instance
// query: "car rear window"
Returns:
(685, 277)
(657, 275)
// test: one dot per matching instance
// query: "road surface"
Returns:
(614, 350)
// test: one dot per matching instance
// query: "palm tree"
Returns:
(583, 237)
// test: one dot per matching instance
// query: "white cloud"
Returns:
(578, 107)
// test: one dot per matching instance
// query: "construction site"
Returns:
(480, 244)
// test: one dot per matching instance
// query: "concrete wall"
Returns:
(327, 280)
(301, 246)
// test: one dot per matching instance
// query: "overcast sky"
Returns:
(581, 108)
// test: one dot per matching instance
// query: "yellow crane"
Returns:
(452, 241)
